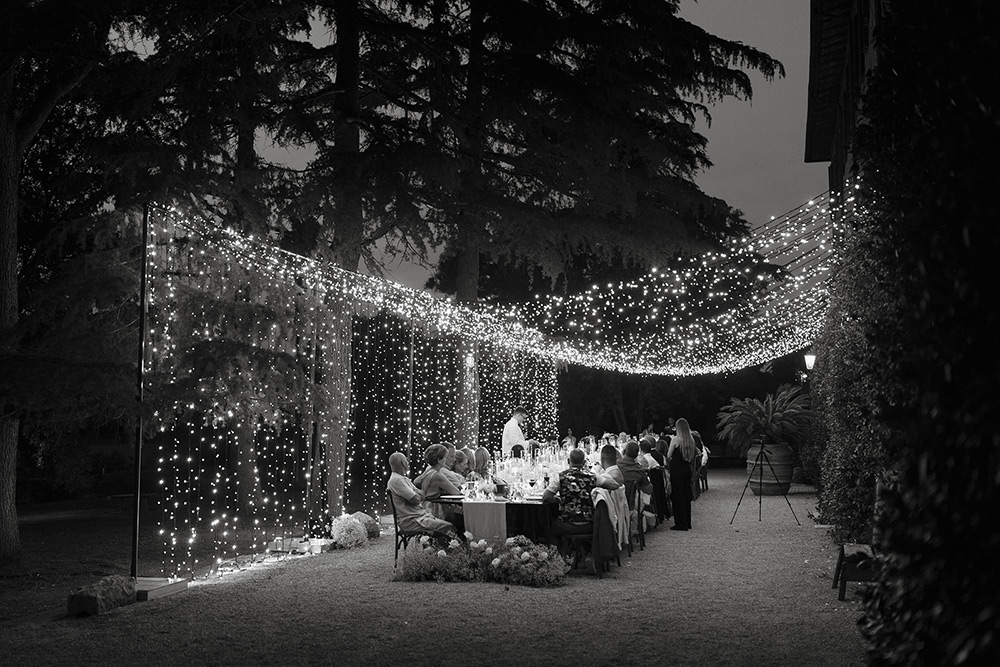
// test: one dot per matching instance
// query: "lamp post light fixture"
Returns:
(810, 359)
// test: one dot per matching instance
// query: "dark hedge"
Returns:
(909, 351)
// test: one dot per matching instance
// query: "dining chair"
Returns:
(637, 521)
(403, 537)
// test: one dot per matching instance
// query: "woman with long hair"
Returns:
(680, 458)
(481, 465)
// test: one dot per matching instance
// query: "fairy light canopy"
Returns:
(761, 298)
(251, 453)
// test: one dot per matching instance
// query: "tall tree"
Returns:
(568, 128)
(50, 47)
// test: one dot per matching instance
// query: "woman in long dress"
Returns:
(681, 455)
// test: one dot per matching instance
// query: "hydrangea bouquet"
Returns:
(517, 560)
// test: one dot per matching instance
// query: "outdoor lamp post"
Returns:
(810, 360)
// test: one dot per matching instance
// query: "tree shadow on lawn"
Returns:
(67, 545)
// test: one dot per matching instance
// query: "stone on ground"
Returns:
(107, 594)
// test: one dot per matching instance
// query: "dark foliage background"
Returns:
(909, 370)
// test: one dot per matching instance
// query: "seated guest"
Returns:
(609, 464)
(657, 476)
(481, 466)
(407, 500)
(631, 470)
(702, 458)
(461, 467)
(449, 465)
(435, 482)
(470, 455)
(660, 451)
(619, 504)
(633, 473)
(573, 487)
(449, 462)
(646, 447)
(592, 448)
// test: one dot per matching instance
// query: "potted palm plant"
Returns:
(776, 425)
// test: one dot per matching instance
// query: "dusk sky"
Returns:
(756, 147)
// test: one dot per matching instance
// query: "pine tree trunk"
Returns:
(467, 399)
(346, 246)
(248, 481)
(10, 164)
(315, 469)
(471, 230)
(10, 539)
(335, 422)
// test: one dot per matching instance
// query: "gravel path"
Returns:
(750, 593)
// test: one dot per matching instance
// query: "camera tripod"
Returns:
(762, 458)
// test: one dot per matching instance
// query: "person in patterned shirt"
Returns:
(573, 487)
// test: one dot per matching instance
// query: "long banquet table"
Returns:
(499, 519)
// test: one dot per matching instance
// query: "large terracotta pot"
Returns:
(774, 479)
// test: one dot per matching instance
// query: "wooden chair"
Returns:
(703, 476)
(604, 547)
(660, 502)
(637, 522)
(855, 562)
(599, 543)
(403, 537)
(578, 546)
(625, 540)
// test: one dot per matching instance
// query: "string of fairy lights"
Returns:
(717, 312)
(638, 327)
(244, 360)
(244, 343)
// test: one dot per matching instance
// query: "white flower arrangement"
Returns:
(347, 532)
